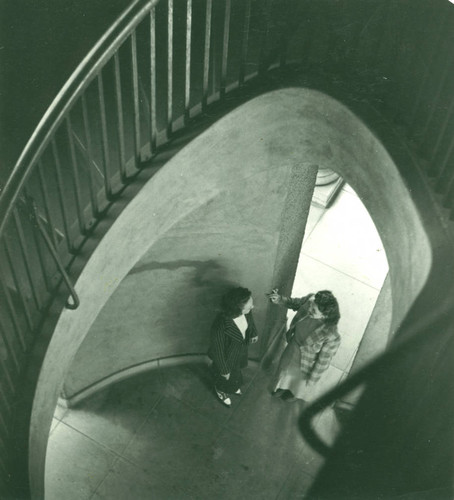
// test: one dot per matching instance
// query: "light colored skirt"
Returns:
(288, 375)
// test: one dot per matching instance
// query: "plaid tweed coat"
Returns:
(319, 347)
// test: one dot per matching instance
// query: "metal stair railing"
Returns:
(94, 139)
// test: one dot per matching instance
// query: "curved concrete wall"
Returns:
(227, 208)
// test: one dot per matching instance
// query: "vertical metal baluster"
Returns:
(427, 72)
(39, 251)
(264, 46)
(225, 47)
(105, 141)
(444, 165)
(135, 91)
(8, 408)
(91, 162)
(23, 251)
(153, 119)
(206, 55)
(448, 197)
(169, 68)
(441, 82)
(120, 118)
(60, 190)
(47, 210)
(11, 353)
(5, 372)
(4, 369)
(245, 40)
(17, 283)
(187, 86)
(14, 320)
(433, 168)
(75, 175)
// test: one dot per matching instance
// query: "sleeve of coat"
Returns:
(218, 338)
(294, 304)
(324, 358)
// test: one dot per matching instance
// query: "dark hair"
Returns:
(328, 306)
(233, 301)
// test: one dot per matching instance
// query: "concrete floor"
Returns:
(164, 435)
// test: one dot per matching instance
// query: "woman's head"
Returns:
(328, 306)
(237, 301)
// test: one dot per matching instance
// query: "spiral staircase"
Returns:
(163, 73)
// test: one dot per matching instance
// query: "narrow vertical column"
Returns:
(91, 162)
(75, 175)
(104, 138)
(120, 119)
(60, 191)
(187, 85)
(25, 257)
(264, 45)
(225, 47)
(153, 121)
(135, 92)
(245, 40)
(169, 67)
(206, 56)
(48, 212)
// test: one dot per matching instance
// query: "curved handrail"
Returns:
(63, 101)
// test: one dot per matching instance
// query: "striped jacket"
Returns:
(319, 347)
(228, 348)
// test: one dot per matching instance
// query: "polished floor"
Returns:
(163, 435)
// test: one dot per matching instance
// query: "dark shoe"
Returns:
(288, 397)
(224, 398)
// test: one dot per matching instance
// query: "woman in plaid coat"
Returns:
(312, 339)
(232, 331)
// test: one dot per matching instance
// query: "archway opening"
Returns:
(282, 145)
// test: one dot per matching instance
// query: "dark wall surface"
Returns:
(42, 42)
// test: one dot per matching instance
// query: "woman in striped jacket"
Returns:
(231, 333)
(313, 340)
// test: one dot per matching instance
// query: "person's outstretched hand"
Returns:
(274, 296)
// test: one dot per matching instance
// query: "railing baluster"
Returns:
(427, 72)
(206, 55)
(4, 369)
(135, 93)
(59, 265)
(14, 321)
(169, 66)
(41, 259)
(4, 398)
(225, 47)
(8, 409)
(75, 175)
(440, 136)
(104, 138)
(120, 119)
(245, 40)
(444, 165)
(436, 96)
(17, 283)
(47, 210)
(187, 86)
(11, 353)
(264, 45)
(22, 246)
(153, 120)
(91, 161)
(60, 192)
